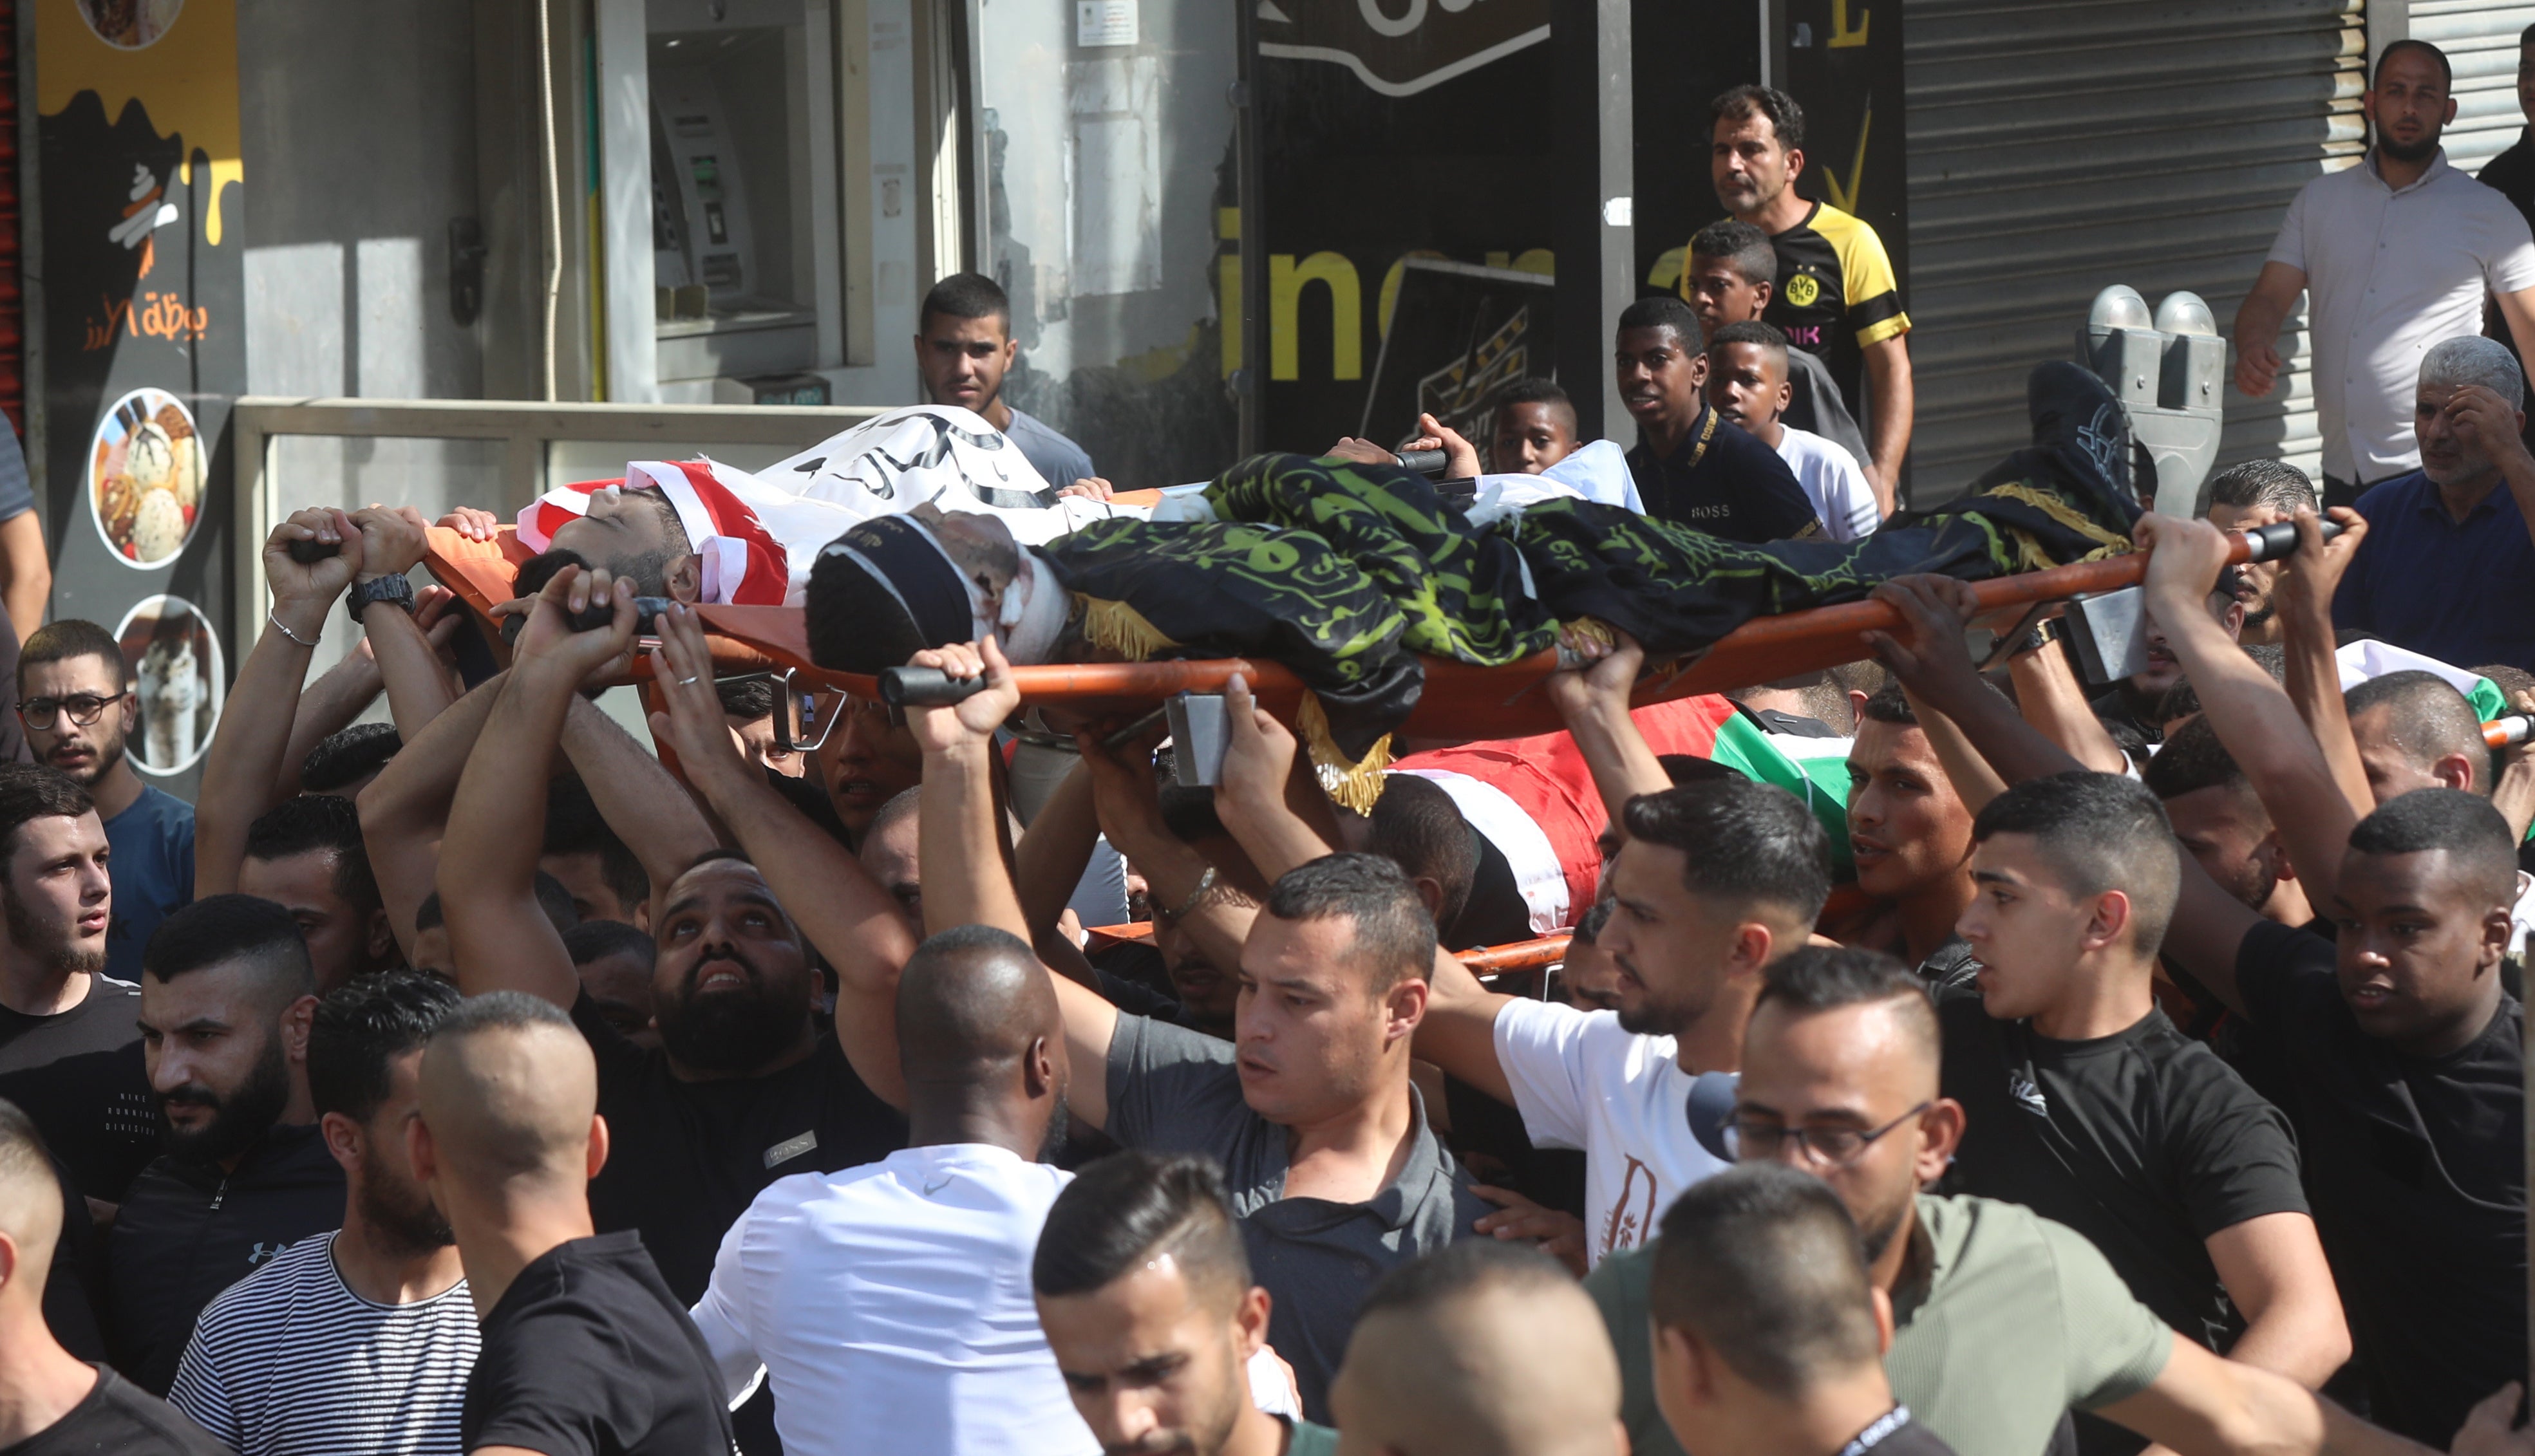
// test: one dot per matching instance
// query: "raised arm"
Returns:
(405, 808)
(1253, 797)
(2303, 595)
(2054, 701)
(1593, 701)
(1055, 850)
(1187, 892)
(2258, 327)
(2205, 1406)
(1891, 395)
(2274, 1272)
(247, 750)
(2252, 715)
(637, 794)
(498, 938)
(853, 920)
(1927, 654)
(327, 706)
(960, 854)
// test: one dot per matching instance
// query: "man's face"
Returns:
(1853, 1067)
(963, 360)
(1659, 379)
(1746, 384)
(756, 737)
(2416, 944)
(2224, 828)
(2164, 669)
(890, 857)
(1669, 945)
(2255, 580)
(866, 762)
(2393, 770)
(2024, 925)
(1907, 828)
(79, 684)
(628, 533)
(1531, 437)
(1155, 1368)
(2449, 456)
(1720, 295)
(58, 896)
(583, 876)
(732, 983)
(213, 1040)
(2410, 105)
(1748, 165)
(343, 942)
(1308, 1028)
(1591, 980)
(1209, 997)
(620, 989)
(392, 1201)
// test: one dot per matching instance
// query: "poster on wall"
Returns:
(1458, 334)
(141, 196)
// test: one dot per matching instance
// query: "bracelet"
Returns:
(270, 617)
(1204, 883)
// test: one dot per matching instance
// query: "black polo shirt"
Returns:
(1725, 482)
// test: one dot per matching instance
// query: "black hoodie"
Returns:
(187, 1231)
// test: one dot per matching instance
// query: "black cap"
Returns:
(881, 593)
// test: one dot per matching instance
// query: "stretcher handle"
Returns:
(2507, 732)
(926, 687)
(1423, 461)
(2279, 539)
(308, 552)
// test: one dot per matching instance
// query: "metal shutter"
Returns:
(2481, 43)
(2061, 147)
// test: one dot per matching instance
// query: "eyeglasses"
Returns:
(1829, 1147)
(84, 710)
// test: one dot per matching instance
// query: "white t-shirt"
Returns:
(1832, 482)
(289, 1360)
(1579, 1081)
(895, 1298)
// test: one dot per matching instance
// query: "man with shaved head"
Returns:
(584, 1350)
(53, 1404)
(1145, 1290)
(227, 994)
(2416, 731)
(893, 1297)
(1482, 1349)
(1769, 1338)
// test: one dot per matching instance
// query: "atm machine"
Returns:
(743, 200)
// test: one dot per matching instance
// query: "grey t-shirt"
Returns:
(1058, 461)
(1177, 1091)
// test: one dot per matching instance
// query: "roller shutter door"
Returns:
(2057, 147)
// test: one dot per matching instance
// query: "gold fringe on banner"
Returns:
(1352, 786)
(1116, 626)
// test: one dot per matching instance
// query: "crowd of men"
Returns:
(2102, 1067)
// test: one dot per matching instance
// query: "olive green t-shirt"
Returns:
(1303, 1438)
(2015, 1320)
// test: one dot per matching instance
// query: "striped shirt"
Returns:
(290, 1360)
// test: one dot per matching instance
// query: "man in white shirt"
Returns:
(1716, 880)
(1747, 383)
(360, 1339)
(2395, 255)
(891, 1302)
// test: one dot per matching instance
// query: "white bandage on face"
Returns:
(1035, 611)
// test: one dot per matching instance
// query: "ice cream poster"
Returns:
(141, 199)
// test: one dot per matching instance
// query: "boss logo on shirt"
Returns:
(792, 1148)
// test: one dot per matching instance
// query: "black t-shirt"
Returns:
(685, 1159)
(119, 1420)
(2143, 1141)
(80, 1076)
(2417, 1167)
(1725, 482)
(587, 1354)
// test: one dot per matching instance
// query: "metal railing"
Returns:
(530, 450)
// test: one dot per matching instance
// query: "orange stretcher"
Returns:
(1460, 702)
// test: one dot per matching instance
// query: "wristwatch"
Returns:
(2043, 635)
(392, 587)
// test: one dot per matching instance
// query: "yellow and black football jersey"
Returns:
(1835, 295)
